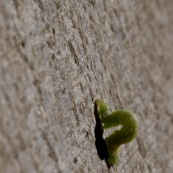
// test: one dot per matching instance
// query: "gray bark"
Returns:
(58, 56)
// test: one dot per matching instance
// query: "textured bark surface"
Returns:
(58, 56)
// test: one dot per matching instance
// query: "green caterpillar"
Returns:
(126, 134)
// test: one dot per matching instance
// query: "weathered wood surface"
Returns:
(58, 56)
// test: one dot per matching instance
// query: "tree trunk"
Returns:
(58, 56)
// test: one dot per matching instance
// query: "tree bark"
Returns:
(57, 57)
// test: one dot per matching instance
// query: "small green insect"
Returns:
(126, 134)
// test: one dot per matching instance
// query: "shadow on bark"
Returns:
(100, 142)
